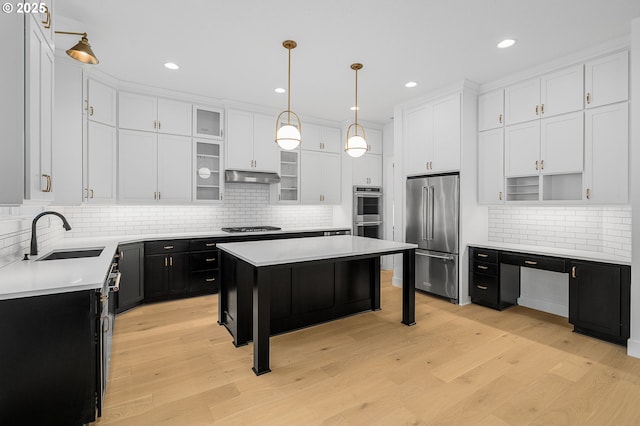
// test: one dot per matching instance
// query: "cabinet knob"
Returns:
(48, 186)
(482, 287)
(168, 247)
(155, 124)
(210, 244)
(91, 111)
(588, 194)
(500, 119)
(542, 165)
(483, 267)
(542, 109)
(211, 259)
(573, 272)
(500, 196)
(588, 98)
(47, 20)
(482, 255)
(91, 191)
(209, 280)
(537, 109)
(537, 165)
(530, 262)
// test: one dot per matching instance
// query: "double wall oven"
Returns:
(367, 211)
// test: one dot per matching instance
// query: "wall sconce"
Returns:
(82, 50)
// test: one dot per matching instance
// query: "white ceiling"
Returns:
(232, 49)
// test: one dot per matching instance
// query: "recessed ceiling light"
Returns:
(354, 108)
(506, 43)
(411, 84)
(280, 90)
(171, 66)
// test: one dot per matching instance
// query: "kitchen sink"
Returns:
(73, 254)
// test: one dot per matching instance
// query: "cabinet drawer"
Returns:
(166, 246)
(203, 244)
(485, 288)
(205, 260)
(538, 262)
(485, 268)
(485, 255)
(204, 282)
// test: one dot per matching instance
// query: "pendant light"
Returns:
(356, 143)
(288, 135)
(82, 50)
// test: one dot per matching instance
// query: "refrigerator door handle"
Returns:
(436, 256)
(430, 214)
(423, 220)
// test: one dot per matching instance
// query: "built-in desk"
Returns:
(599, 292)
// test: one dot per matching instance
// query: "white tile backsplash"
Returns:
(599, 229)
(244, 205)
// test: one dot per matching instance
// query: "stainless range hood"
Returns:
(250, 177)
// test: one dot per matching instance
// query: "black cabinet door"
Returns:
(179, 273)
(595, 298)
(131, 265)
(156, 276)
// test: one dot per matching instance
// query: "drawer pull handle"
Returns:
(482, 287)
(168, 247)
(482, 255)
(530, 262)
(209, 280)
(211, 259)
(210, 244)
(573, 272)
(483, 267)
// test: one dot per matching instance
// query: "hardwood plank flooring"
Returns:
(172, 364)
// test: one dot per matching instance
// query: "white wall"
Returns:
(633, 345)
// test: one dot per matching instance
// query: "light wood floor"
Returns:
(172, 364)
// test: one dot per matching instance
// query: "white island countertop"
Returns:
(279, 252)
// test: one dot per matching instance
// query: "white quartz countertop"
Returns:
(278, 252)
(34, 278)
(553, 251)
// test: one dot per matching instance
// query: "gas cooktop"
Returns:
(251, 229)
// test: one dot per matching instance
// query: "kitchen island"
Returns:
(271, 287)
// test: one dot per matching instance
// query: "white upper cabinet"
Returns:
(491, 110)
(552, 94)
(491, 167)
(151, 114)
(522, 102)
(367, 170)
(251, 142)
(374, 141)
(207, 122)
(522, 149)
(101, 103)
(607, 80)
(319, 177)
(561, 91)
(432, 137)
(561, 144)
(320, 138)
(100, 164)
(174, 169)
(607, 154)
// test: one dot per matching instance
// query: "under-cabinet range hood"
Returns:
(250, 177)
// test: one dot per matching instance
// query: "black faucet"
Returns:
(34, 242)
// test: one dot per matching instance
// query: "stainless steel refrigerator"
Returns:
(433, 209)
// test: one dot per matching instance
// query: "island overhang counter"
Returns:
(275, 286)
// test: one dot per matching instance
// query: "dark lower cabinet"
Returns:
(49, 359)
(205, 272)
(131, 265)
(599, 300)
(166, 275)
(491, 283)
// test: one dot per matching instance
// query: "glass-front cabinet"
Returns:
(207, 175)
(207, 122)
(289, 189)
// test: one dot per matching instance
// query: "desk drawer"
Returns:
(538, 262)
(205, 260)
(485, 255)
(485, 268)
(484, 288)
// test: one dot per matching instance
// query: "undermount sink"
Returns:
(73, 254)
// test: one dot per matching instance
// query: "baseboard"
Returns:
(545, 306)
(633, 348)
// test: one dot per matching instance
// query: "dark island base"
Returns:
(300, 295)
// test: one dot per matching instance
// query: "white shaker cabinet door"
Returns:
(367, 170)
(137, 167)
(265, 150)
(561, 143)
(331, 139)
(137, 112)
(331, 178)
(607, 80)
(239, 147)
(374, 141)
(174, 117)
(101, 103)
(522, 102)
(310, 177)
(522, 149)
(491, 167)
(446, 134)
(561, 91)
(607, 154)
(101, 164)
(491, 110)
(418, 140)
(174, 169)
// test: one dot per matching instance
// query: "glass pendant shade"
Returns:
(356, 146)
(356, 143)
(288, 137)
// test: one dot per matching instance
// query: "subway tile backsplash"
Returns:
(599, 229)
(244, 205)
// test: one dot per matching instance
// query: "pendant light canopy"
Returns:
(82, 50)
(288, 134)
(356, 143)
